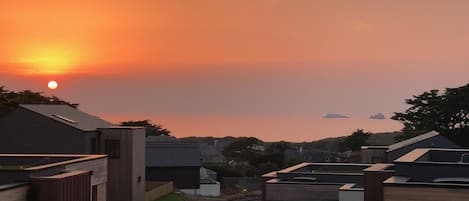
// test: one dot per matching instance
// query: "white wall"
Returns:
(209, 190)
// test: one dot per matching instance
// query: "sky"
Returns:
(264, 68)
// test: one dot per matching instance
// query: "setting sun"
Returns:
(52, 84)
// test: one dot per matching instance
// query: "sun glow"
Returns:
(47, 61)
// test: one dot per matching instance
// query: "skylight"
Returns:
(64, 118)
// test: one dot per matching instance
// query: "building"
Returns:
(387, 154)
(25, 177)
(179, 162)
(61, 129)
(429, 174)
(314, 181)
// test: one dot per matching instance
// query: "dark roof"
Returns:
(69, 116)
(413, 140)
(172, 154)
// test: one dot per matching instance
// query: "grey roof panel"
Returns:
(413, 140)
(172, 154)
(69, 116)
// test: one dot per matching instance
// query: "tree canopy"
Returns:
(446, 112)
(150, 129)
(355, 141)
(9, 100)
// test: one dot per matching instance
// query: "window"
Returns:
(112, 148)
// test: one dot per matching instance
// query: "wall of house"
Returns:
(182, 177)
(438, 141)
(406, 193)
(138, 164)
(126, 174)
(302, 192)
(19, 193)
(209, 190)
(22, 126)
(99, 176)
(63, 187)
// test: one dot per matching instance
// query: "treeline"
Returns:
(9, 100)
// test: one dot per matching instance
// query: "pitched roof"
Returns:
(70, 116)
(413, 140)
(172, 154)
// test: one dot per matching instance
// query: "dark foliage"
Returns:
(150, 129)
(355, 141)
(9, 100)
(446, 112)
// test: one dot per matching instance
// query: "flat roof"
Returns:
(407, 181)
(30, 162)
(311, 166)
(426, 155)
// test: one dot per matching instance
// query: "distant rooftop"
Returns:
(412, 141)
(69, 116)
(437, 156)
(172, 154)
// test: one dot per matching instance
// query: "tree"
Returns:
(446, 112)
(240, 149)
(9, 100)
(355, 141)
(150, 129)
(278, 147)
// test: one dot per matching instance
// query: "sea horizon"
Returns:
(266, 128)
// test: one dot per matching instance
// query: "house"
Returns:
(313, 181)
(387, 154)
(179, 162)
(48, 177)
(429, 174)
(61, 129)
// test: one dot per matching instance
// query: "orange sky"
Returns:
(268, 58)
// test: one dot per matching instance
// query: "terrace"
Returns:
(438, 167)
(332, 173)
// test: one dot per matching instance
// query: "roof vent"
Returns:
(64, 118)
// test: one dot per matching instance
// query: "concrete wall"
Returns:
(438, 141)
(158, 190)
(209, 190)
(126, 174)
(302, 192)
(206, 190)
(351, 195)
(21, 127)
(407, 193)
(19, 193)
